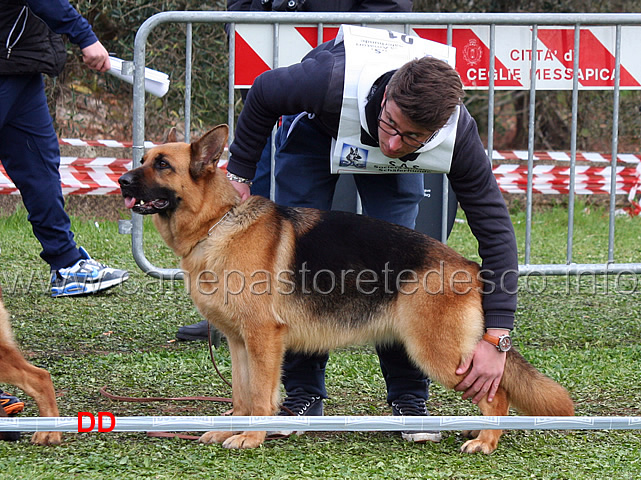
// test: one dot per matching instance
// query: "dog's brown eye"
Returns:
(160, 163)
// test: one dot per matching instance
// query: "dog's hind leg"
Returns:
(439, 351)
(36, 383)
(487, 440)
(440, 363)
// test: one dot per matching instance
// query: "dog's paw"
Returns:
(47, 438)
(470, 433)
(215, 437)
(245, 440)
(477, 446)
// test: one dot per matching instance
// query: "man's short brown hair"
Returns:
(426, 90)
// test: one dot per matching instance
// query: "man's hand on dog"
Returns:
(483, 370)
(242, 189)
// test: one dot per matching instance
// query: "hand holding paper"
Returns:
(156, 83)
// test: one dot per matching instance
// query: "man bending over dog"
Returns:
(406, 113)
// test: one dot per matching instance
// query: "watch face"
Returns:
(505, 343)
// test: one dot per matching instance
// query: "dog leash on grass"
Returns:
(182, 436)
(211, 355)
(121, 398)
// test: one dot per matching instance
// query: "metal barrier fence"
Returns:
(323, 423)
(406, 21)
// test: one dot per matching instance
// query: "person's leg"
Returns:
(31, 157)
(305, 372)
(261, 183)
(395, 199)
(303, 180)
(302, 171)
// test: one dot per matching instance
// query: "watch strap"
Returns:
(491, 339)
(502, 343)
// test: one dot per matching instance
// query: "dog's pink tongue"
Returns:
(130, 202)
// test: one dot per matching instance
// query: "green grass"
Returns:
(584, 333)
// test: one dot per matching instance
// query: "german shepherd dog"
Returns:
(34, 381)
(273, 278)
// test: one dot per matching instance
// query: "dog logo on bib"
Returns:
(353, 157)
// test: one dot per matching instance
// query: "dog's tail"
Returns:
(531, 392)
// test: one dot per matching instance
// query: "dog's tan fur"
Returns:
(202, 218)
(34, 381)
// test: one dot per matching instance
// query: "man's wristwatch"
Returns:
(502, 343)
(237, 179)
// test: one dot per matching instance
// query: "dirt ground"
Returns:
(88, 207)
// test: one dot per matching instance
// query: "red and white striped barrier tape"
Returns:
(553, 179)
(496, 154)
(76, 142)
(99, 175)
(522, 155)
(83, 176)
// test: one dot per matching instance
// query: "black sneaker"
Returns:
(409, 405)
(194, 332)
(11, 405)
(301, 404)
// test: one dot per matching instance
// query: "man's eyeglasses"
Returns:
(408, 140)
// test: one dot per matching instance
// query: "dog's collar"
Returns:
(209, 232)
(211, 229)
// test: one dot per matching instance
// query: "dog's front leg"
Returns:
(264, 350)
(240, 388)
(256, 366)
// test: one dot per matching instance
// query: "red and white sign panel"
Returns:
(512, 66)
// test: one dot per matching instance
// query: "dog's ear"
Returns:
(206, 151)
(170, 136)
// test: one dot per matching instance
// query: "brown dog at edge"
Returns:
(34, 381)
(273, 278)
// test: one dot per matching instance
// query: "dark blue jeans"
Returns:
(303, 179)
(30, 155)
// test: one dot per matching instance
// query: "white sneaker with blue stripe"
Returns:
(84, 277)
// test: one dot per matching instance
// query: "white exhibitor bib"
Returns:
(370, 53)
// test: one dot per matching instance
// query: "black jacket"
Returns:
(33, 37)
(27, 45)
(316, 86)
